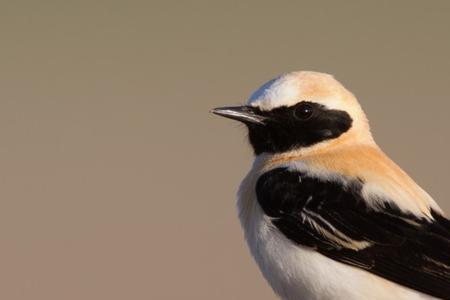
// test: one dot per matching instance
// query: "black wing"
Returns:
(332, 218)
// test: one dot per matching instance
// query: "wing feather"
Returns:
(334, 219)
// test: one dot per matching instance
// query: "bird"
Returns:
(325, 212)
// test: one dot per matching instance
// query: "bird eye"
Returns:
(303, 111)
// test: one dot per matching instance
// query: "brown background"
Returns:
(115, 181)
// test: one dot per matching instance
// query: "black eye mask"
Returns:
(301, 125)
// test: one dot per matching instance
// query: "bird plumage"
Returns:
(326, 214)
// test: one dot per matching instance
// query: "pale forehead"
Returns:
(291, 88)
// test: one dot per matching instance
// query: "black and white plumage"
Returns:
(333, 218)
(326, 214)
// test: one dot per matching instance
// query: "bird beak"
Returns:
(245, 114)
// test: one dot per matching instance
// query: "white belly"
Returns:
(300, 273)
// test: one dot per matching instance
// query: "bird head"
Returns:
(300, 110)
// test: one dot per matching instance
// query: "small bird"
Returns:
(326, 214)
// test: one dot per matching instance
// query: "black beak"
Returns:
(245, 114)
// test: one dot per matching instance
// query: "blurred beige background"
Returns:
(116, 182)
